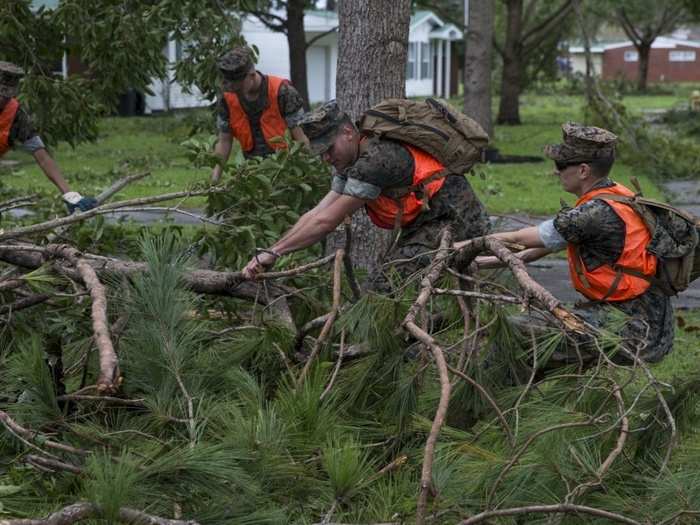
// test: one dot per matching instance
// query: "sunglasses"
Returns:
(561, 166)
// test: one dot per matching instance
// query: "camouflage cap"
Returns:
(10, 76)
(321, 126)
(235, 64)
(582, 144)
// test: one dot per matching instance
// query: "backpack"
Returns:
(674, 241)
(454, 139)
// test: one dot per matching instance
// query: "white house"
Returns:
(431, 68)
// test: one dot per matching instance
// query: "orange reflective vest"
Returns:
(384, 211)
(7, 117)
(630, 276)
(272, 122)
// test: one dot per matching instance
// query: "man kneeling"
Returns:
(606, 243)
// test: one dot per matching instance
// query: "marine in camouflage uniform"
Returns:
(241, 78)
(375, 165)
(599, 233)
(16, 127)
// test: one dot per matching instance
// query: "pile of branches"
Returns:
(259, 420)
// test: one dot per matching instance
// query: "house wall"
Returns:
(661, 69)
(420, 86)
(578, 63)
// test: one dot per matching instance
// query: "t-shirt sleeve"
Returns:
(222, 116)
(24, 132)
(291, 105)
(384, 164)
(593, 221)
(550, 237)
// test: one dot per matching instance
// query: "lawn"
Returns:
(132, 145)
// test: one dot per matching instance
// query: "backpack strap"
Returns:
(634, 203)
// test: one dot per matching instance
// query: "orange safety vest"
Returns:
(630, 276)
(384, 210)
(272, 122)
(7, 117)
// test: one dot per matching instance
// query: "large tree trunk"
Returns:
(372, 51)
(511, 80)
(296, 40)
(644, 50)
(477, 64)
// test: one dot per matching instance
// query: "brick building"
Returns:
(670, 60)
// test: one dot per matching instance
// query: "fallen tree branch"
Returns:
(86, 510)
(325, 331)
(566, 508)
(100, 210)
(26, 302)
(115, 188)
(421, 335)
(29, 436)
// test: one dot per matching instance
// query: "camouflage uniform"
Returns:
(22, 129)
(600, 234)
(387, 164)
(234, 65)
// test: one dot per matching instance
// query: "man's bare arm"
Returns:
(51, 170)
(223, 150)
(320, 223)
(310, 215)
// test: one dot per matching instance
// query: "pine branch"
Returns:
(325, 331)
(566, 508)
(83, 511)
(409, 324)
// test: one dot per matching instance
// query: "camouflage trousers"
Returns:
(455, 206)
(644, 326)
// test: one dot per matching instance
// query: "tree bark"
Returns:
(477, 63)
(296, 40)
(644, 50)
(372, 50)
(511, 79)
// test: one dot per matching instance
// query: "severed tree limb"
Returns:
(109, 378)
(51, 465)
(100, 210)
(409, 323)
(325, 331)
(115, 188)
(86, 510)
(29, 435)
(25, 302)
(566, 508)
(199, 281)
(530, 286)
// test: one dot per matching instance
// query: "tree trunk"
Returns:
(644, 50)
(372, 48)
(511, 79)
(477, 64)
(296, 40)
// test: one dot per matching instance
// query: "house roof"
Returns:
(422, 16)
(661, 42)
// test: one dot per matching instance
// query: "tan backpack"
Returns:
(674, 241)
(454, 139)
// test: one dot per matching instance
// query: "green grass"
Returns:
(133, 145)
(529, 187)
(126, 146)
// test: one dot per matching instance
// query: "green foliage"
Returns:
(267, 196)
(120, 46)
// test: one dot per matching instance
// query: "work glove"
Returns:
(76, 202)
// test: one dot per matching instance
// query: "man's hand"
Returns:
(76, 202)
(260, 262)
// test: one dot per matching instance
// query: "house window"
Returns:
(426, 62)
(681, 56)
(631, 56)
(411, 62)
